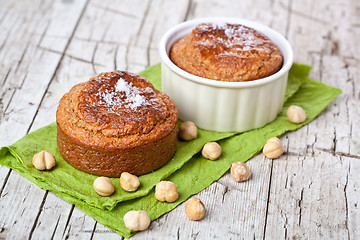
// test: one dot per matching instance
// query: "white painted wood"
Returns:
(20, 202)
(316, 172)
(31, 69)
(53, 219)
(233, 210)
(80, 226)
(311, 192)
(300, 188)
(102, 232)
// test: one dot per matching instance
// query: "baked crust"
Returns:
(116, 122)
(227, 52)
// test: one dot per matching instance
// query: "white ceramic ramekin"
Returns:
(224, 106)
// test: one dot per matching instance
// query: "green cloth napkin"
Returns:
(188, 169)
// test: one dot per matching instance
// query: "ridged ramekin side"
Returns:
(224, 109)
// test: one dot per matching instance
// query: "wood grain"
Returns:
(311, 192)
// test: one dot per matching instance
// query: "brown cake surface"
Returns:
(227, 52)
(116, 122)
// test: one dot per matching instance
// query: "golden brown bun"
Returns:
(116, 122)
(227, 52)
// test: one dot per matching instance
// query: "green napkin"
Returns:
(188, 170)
(65, 179)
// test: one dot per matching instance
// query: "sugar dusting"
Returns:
(236, 37)
(125, 95)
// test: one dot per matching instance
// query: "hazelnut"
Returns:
(166, 191)
(240, 172)
(273, 148)
(296, 114)
(44, 161)
(211, 150)
(129, 182)
(137, 220)
(103, 186)
(188, 131)
(194, 209)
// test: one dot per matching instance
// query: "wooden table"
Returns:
(311, 192)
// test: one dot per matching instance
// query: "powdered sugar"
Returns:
(220, 25)
(124, 95)
(229, 32)
(136, 101)
(235, 37)
(123, 86)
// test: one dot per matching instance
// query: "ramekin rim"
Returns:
(222, 84)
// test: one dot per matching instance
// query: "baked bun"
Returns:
(227, 52)
(116, 122)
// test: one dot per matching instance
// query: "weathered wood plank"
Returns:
(310, 192)
(29, 62)
(307, 198)
(352, 198)
(32, 67)
(309, 187)
(233, 210)
(19, 205)
(102, 232)
(56, 223)
(18, 51)
(70, 72)
(80, 226)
